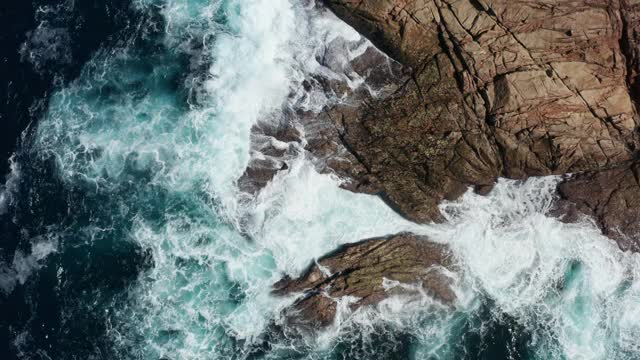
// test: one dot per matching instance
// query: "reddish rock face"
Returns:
(495, 88)
(358, 270)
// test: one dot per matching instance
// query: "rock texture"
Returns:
(610, 197)
(493, 88)
(631, 45)
(358, 270)
(485, 89)
(276, 142)
(272, 146)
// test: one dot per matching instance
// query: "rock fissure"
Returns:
(511, 89)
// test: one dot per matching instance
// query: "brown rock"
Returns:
(611, 197)
(508, 88)
(379, 73)
(358, 270)
(494, 88)
(276, 144)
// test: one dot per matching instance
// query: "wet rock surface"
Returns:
(343, 81)
(273, 146)
(370, 271)
(610, 197)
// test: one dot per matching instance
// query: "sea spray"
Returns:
(304, 212)
(563, 283)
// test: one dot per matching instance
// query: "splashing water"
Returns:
(154, 253)
(564, 284)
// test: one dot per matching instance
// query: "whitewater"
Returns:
(157, 253)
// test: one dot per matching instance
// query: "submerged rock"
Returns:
(367, 272)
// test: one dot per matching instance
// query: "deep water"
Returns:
(44, 45)
(125, 235)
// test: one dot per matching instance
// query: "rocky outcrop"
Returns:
(610, 197)
(487, 89)
(368, 272)
(347, 82)
(493, 88)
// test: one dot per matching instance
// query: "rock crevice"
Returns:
(511, 88)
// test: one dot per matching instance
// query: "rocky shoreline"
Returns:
(478, 90)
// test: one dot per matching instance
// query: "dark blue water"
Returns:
(45, 47)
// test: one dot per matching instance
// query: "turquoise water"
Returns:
(136, 242)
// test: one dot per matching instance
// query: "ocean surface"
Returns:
(124, 233)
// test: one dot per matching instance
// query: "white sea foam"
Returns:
(210, 285)
(301, 215)
(25, 264)
(10, 187)
(565, 283)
